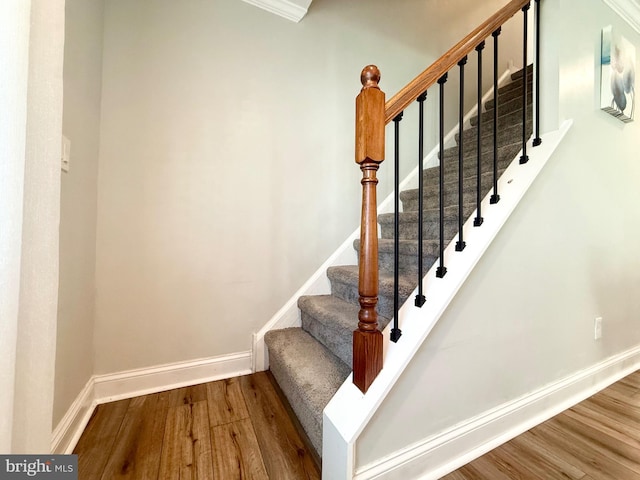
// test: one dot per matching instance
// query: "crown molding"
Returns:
(629, 10)
(285, 8)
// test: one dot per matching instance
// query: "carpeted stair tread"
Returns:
(430, 219)
(510, 89)
(506, 136)
(518, 75)
(469, 152)
(309, 375)
(409, 223)
(332, 321)
(409, 197)
(344, 284)
(406, 247)
(510, 95)
(407, 255)
(409, 231)
(469, 183)
(349, 274)
(508, 113)
(470, 134)
(411, 216)
(470, 166)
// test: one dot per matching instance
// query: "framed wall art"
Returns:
(618, 75)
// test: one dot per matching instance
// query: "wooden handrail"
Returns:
(430, 76)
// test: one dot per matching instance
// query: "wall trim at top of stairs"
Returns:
(629, 10)
(141, 381)
(293, 10)
(349, 411)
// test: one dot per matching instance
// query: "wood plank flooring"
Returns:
(239, 429)
(234, 429)
(598, 439)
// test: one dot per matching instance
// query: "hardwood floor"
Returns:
(239, 429)
(598, 439)
(234, 429)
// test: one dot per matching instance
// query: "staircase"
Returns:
(310, 363)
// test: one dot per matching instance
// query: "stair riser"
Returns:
(407, 258)
(430, 230)
(518, 75)
(409, 230)
(469, 184)
(509, 136)
(511, 95)
(407, 264)
(503, 109)
(514, 83)
(432, 201)
(305, 416)
(514, 131)
(431, 176)
(340, 343)
(470, 153)
(510, 114)
(386, 220)
(349, 293)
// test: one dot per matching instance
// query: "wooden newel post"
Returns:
(370, 125)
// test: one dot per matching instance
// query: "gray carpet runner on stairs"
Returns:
(310, 363)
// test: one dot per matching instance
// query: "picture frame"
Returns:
(618, 71)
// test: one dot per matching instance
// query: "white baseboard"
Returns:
(437, 456)
(67, 432)
(142, 381)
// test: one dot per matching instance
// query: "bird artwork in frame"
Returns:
(618, 75)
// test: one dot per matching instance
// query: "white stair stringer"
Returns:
(349, 411)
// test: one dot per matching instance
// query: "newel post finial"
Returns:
(370, 77)
(370, 126)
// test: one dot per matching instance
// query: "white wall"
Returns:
(78, 202)
(226, 170)
(36, 328)
(14, 49)
(524, 318)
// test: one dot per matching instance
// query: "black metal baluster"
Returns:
(441, 271)
(525, 10)
(420, 298)
(460, 244)
(478, 220)
(396, 333)
(495, 198)
(537, 140)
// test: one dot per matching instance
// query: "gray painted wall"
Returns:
(226, 172)
(78, 200)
